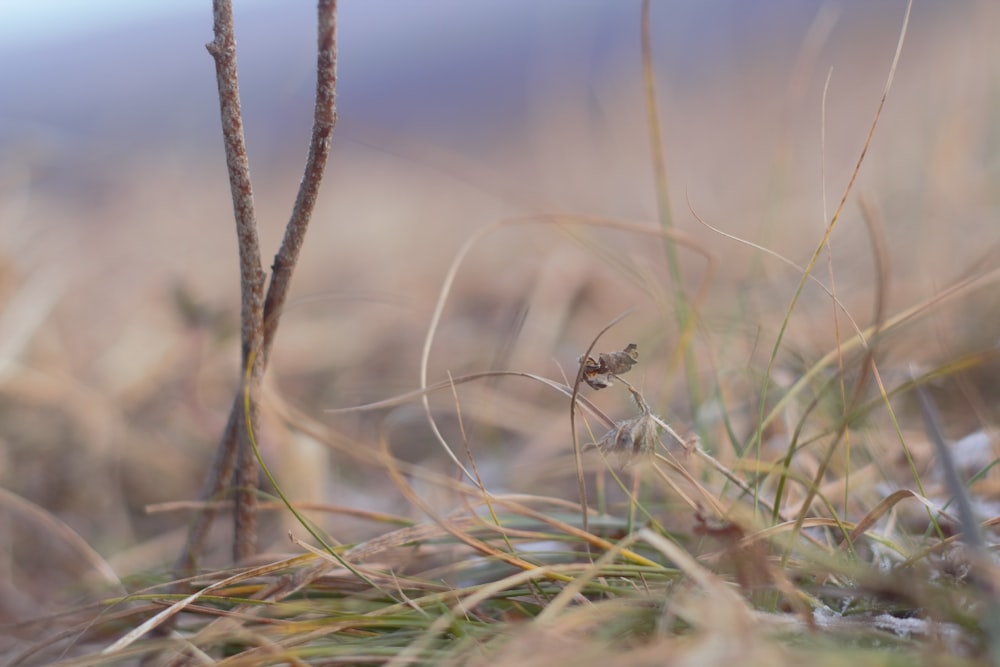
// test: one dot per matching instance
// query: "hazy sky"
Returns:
(25, 21)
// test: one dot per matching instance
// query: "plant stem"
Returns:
(259, 314)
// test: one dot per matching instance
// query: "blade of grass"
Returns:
(685, 313)
(823, 242)
(971, 533)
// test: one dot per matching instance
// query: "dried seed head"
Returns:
(631, 438)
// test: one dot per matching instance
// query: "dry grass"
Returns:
(117, 369)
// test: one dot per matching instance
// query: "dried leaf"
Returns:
(600, 373)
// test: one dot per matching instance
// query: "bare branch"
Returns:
(223, 50)
(252, 277)
(234, 460)
(247, 473)
(324, 119)
(220, 475)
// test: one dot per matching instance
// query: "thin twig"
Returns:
(324, 119)
(219, 476)
(247, 469)
(252, 276)
(260, 315)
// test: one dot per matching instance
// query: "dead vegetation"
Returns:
(458, 472)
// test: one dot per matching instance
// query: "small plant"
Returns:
(629, 438)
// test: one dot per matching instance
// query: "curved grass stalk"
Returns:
(823, 243)
(449, 280)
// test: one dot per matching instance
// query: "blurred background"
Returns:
(118, 269)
